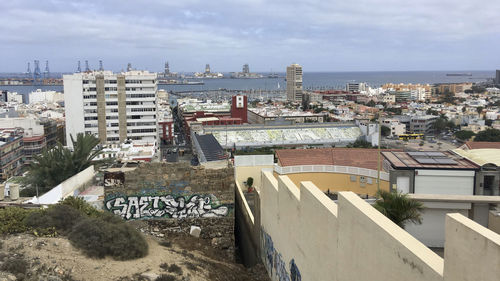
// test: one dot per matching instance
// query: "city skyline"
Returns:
(334, 36)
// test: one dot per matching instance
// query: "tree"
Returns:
(464, 135)
(479, 109)
(249, 181)
(432, 112)
(360, 144)
(399, 208)
(440, 124)
(488, 135)
(370, 103)
(52, 167)
(385, 131)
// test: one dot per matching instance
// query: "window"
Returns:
(353, 178)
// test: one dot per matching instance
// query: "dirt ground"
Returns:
(193, 259)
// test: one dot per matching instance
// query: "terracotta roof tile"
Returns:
(355, 157)
(482, 144)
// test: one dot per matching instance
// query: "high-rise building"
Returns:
(114, 107)
(294, 83)
(207, 68)
(497, 78)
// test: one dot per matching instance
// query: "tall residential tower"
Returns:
(113, 106)
(294, 83)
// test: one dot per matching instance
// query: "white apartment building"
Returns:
(294, 83)
(40, 96)
(113, 106)
(396, 127)
(356, 87)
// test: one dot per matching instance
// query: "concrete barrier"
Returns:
(306, 236)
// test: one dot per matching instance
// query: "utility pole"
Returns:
(379, 152)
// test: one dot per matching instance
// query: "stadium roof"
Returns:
(257, 136)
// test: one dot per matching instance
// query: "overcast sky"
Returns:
(322, 35)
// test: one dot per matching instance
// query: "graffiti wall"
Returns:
(275, 264)
(166, 206)
(172, 197)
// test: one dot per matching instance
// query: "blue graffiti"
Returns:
(269, 251)
(274, 261)
(294, 271)
(280, 267)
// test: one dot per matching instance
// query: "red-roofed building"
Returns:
(481, 145)
(334, 169)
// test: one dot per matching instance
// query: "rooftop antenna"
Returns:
(100, 66)
(79, 68)
(87, 68)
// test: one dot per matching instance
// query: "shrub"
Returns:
(175, 269)
(60, 217)
(79, 204)
(166, 277)
(15, 265)
(108, 236)
(13, 220)
(166, 244)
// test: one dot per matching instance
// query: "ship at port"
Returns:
(208, 73)
(458, 74)
(179, 82)
(246, 74)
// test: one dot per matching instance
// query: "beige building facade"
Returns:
(294, 83)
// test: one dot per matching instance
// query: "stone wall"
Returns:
(178, 196)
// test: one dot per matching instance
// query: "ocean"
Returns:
(311, 81)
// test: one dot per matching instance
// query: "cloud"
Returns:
(270, 33)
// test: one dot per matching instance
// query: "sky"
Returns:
(321, 35)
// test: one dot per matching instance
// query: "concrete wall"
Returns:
(306, 236)
(472, 252)
(494, 221)
(432, 230)
(247, 205)
(251, 166)
(339, 182)
(65, 189)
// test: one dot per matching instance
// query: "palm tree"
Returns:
(399, 208)
(53, 166)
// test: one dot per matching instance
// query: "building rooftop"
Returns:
(245, 135)
(481, 156)
(428, 160)
(210, 149)
(354, 157)
(273, 111)
(482, 145)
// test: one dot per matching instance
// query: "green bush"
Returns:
(60, 217)
(82, 206)
(107, 236)
(12, 220)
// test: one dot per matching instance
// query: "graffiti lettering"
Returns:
(167, 206)
(274, 261)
